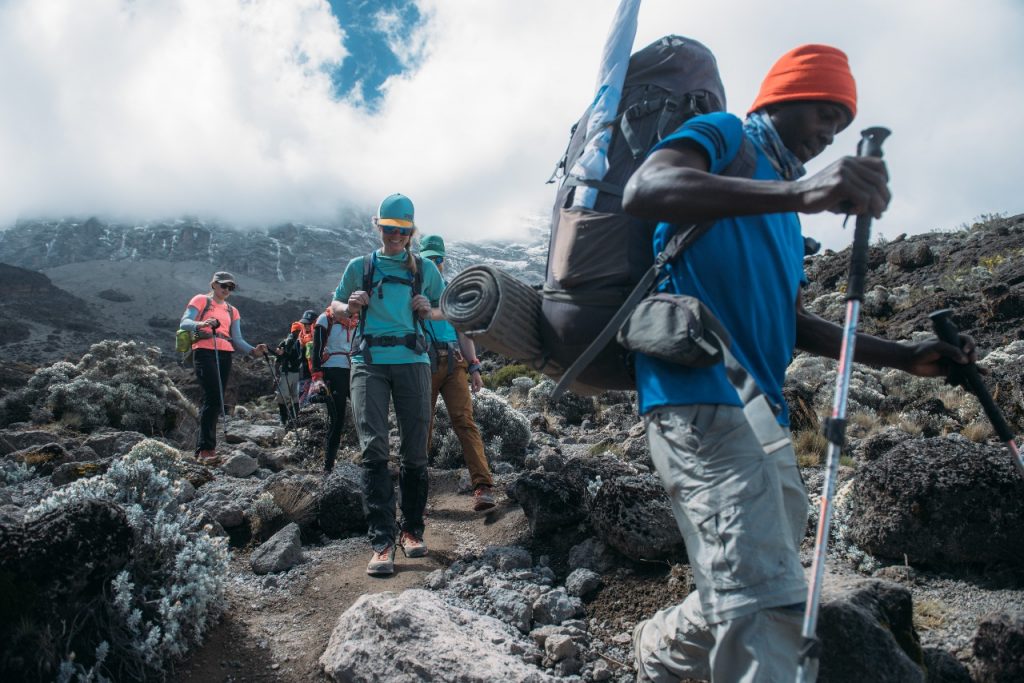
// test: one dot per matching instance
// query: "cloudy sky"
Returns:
(260, 111)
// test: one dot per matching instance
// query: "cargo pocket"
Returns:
(743, 538)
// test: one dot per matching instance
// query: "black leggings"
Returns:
(336, 380)
(206, 362)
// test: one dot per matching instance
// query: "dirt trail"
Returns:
(278, 633)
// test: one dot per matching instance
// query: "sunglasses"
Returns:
(392, 229)
(230, 286)
(437, 259)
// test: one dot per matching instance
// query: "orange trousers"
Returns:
(454, 388)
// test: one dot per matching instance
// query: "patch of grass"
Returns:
(847, 461)
(606, 447)
(978, 431)
(504, 377)
(909, 426)
(929, 615)
(810, 446)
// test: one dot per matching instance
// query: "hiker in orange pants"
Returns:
(457, 372)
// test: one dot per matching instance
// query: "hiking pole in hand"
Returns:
(946, 330)
(220, 385)
(835, 427)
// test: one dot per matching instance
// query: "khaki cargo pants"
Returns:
(454, 388)
(742, 513)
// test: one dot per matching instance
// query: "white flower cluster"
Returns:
(115, 384)
(173, 585)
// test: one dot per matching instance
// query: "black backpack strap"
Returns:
(362, 346)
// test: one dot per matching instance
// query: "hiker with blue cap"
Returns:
(457, 371)
(391, 290)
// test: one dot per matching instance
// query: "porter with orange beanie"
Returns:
(728, 465)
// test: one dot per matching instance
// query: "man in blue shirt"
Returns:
(743, 511)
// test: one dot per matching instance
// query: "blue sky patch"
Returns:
(378, 38)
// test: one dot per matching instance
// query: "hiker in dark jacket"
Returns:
(217, 325)
(743, 511)
(456, 374)
(290, 358)
(390, 363)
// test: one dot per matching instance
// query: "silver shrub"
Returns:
(14, 472)
(115, 384)
(172, 589)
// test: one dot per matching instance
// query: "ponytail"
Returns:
(410, 260)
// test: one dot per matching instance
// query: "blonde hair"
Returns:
(410, 260)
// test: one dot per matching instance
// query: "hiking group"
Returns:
(724, 457)
(374, 345)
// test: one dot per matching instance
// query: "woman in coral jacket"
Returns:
(215, 325)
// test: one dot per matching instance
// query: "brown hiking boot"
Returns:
(382, 562)
(412, 546)
(483, 498)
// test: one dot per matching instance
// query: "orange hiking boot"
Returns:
(412, 546)
(382, 562)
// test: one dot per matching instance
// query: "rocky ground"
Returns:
(926, 570)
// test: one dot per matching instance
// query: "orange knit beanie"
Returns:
(809, 72)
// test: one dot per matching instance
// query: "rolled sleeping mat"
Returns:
(496, 310)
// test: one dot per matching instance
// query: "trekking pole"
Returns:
(277, 386)
(220, 385)
(835, 427)
(946, 330)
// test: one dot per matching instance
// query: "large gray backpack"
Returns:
(597, 256)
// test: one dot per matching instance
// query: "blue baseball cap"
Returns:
(396, 210)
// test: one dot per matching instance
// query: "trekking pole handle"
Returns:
(947, 331)
(870, 145)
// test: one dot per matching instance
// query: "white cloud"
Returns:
(160, 107)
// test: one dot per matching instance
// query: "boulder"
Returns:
(555, 606)
(505, 558)
(280, 552)
(12, 440)
(70, 471)
(44, 458)
(341, 510)
(592, 554)
(581, 583)
(68, 551)
(999, 649)
(940, 501)
(551, 501)
(112, 443)
(910, 255)
(415, 636)
(866, 628)
(942, 667)
(240, 465)
(634, 515)
(268, 436)
(511, 607)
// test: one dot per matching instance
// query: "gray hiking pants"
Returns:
(373, 387)
(742, 513)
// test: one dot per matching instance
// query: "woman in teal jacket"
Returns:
(391, 290)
